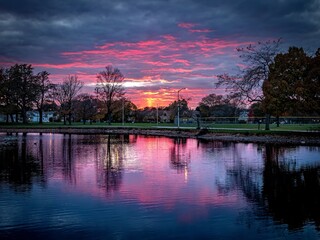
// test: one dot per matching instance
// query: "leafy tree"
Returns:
(3, 79)
(23, 82)
(101, 110)
(147, 114)
(6, 95)
(66, 94)
(173, 108)
(256, 111)
(293, 84)
(247, 85)
(110, 88)
(212, 100)
(85, 107)
(124, 107)
(209, 102)
(217, 106)
(283, 90)
(311, 92)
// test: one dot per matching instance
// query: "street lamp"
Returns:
(179, 106)
(123, 111)
(157, 114)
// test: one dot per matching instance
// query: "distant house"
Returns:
(243, 116)
(3, 118)
(186, 117)
(164, 116)
(33, 116)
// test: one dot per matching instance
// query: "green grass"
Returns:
(282, 127)
(252, 128)
(81, 125)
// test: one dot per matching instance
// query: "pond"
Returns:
(140, 187)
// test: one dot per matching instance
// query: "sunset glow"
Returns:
(153, 67)
(158, 47)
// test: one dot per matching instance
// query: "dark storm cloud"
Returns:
(160, 45)
(38, 30)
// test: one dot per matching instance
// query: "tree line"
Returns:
(22, 90)
(276, 83)
(272, 82)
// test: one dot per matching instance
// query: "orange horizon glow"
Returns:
(156, 68)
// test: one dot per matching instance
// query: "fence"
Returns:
(288, 120)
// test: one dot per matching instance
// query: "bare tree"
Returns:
(44, 89)
(247, 85)
(66, 93)
(110, 88)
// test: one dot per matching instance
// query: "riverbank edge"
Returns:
(289, 138)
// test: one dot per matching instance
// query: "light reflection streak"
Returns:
(132, 167)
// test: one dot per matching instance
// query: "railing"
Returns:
(273, 120)
(305, 123)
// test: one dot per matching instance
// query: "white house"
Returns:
(33, 116)
(243, 116)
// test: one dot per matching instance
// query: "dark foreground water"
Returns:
(55, 186)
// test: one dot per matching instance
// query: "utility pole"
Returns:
(179, 106)
(157, 114)
(122, 111)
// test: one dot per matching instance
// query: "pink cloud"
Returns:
(200, 30)
(187, 25)
(156, 63)
(67, 65)
(183, 61)
(169, 37)
(164, 96)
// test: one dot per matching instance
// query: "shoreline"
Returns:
(290, 138)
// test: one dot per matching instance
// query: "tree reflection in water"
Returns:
(292, 194)
(180, 156)
(288, 192)
(68, 159)
(281, 188)
(18, 167)
(110, 162)
(29, 160)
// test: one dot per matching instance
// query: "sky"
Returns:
(160, 46)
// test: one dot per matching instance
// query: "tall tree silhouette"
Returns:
(66, 93)
(110, 88)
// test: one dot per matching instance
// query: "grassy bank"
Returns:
(293, 127)
(295, 134)
(218, 128)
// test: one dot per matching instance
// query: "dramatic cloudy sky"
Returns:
(159, 45)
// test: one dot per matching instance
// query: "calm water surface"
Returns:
(135, 187)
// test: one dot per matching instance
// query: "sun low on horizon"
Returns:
(155, 69)
(160, 47)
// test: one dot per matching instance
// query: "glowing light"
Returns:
(150, 102)
(159, 64)
(150, 93)
(135, 84)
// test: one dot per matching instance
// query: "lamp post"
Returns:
(157, 115)
(179, 106)
(122, 111)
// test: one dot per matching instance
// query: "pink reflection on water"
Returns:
(160, 172)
